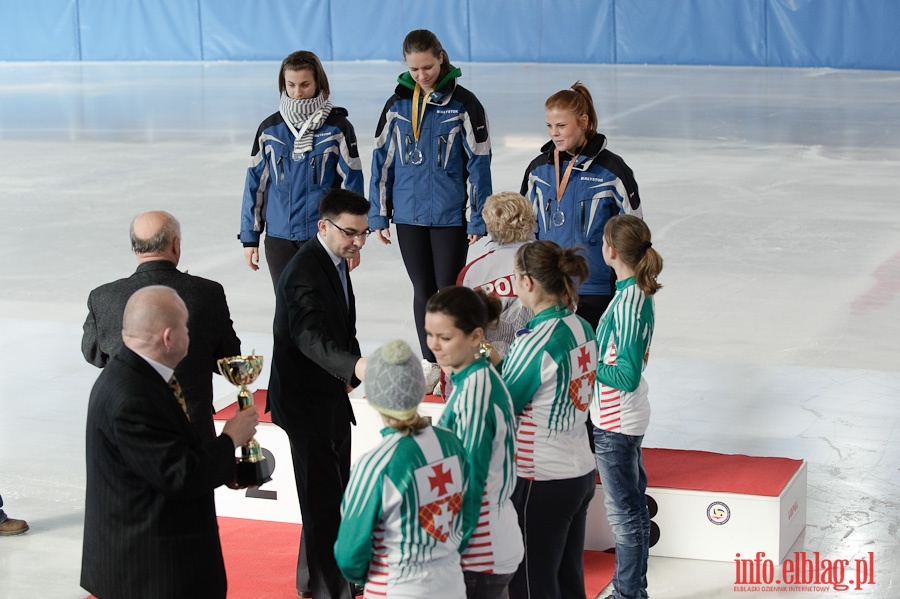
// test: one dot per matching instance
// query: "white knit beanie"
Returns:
(394, 381)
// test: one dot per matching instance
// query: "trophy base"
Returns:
(252, 474)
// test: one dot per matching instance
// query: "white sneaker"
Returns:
(432, 373)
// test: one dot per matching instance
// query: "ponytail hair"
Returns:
(469, 308)
(630, 237)
(577, 100)
(410, 427)
(558, 271)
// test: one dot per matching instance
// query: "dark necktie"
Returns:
(342, 273)
(179, 395)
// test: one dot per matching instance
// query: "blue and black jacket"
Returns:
(601, 185)
(282, 196)
(454, 178)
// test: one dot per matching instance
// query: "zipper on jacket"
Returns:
(315, 177)
(442, 144)
(406, 150)
(280, 169)
(583, 222)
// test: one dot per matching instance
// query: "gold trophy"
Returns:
(252, 467)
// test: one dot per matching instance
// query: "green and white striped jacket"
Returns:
(550, 375)
(480, 412)
(621, 402)
(403, 519)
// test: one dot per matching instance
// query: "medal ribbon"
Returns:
(418, 117)
(561, 187)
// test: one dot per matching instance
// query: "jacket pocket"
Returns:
(448, 151)
(593, 214)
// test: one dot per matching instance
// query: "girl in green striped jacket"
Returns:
(549, 371)
(480, 412)
(620, 410)
(403, 518)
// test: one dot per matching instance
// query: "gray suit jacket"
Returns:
(211, 330)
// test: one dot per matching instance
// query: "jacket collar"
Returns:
(156, 265)
(441, 94)
(587, 156)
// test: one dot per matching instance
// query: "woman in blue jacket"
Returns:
(575, 185)
(431, 171)
(299, 153)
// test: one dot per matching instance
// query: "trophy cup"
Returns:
(252, 467)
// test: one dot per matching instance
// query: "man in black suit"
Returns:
(156, 241)
(315, 363)
(150, 527)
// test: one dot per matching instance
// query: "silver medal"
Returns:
(558, 218)
(416, 156)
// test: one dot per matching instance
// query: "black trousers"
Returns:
(552, 516)
(592, 307)
(278, 253)
(321, 470)
(433, 257)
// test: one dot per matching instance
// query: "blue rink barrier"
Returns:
(859, 34)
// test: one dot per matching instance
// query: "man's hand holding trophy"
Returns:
(252, 467)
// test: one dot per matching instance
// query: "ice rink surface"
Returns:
(772, 195)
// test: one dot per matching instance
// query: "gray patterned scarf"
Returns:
(303, 117)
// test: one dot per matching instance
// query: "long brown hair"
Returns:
(305, 60)
(577, 100)
(558, 271)
(630, 237)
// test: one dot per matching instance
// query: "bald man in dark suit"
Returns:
(156, 241)
(150, 529)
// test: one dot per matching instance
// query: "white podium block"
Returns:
(716, 526)
(712, 524)
(277, 499)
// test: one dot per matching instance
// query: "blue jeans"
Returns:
(624, 486)
(3, 515)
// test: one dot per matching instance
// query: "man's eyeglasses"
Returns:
(349, 234)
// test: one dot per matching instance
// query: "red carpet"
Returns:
(260, 397)
(706, 471)
(599, 567)
(260, 558)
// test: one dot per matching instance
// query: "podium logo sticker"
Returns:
(718, 513)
